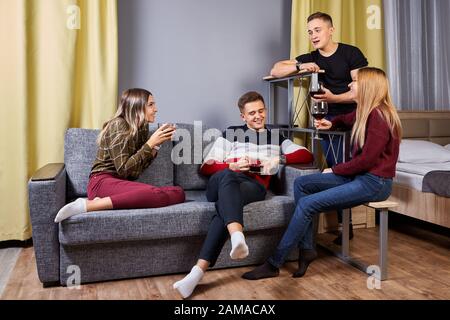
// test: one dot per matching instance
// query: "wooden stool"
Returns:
(344, 254)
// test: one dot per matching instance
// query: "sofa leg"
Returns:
(50, 284)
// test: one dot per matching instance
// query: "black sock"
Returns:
(265, 270)
(338, 239)
(305, 257)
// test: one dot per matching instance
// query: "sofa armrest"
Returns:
(48, 172)
(47, 194)
(284, 182)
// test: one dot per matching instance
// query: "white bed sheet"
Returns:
(409, 179)
(411, 174)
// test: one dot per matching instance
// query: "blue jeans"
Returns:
(322, 192)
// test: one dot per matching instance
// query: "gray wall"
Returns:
(198, 56)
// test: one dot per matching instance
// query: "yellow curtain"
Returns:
(357, 22)
(58, 67)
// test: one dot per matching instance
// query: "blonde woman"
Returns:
(124, 151)
(375, 139)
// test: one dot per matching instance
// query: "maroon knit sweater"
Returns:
(380, 151)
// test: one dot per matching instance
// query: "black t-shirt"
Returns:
(337, 72)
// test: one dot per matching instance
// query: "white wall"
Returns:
(198, 56)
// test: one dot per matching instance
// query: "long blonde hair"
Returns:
(373, 93)
(132, 110)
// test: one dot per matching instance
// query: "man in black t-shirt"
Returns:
(340, 63)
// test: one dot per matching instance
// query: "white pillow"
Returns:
(420, 151)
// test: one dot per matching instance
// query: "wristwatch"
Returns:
(282, 159)
(297, 65)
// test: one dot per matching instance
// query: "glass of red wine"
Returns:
(255, 168)
(315, 88)
(319, 110)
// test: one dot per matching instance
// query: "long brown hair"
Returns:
(373, 93)
(132, 110)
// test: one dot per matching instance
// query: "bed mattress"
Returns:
(411, 174)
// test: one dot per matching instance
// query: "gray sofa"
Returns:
(122, 244)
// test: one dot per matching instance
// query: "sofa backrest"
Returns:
(79, 153)
(80, 150)
(187, 175)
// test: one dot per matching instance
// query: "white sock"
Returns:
(187, 285)
(76, 207)
(239, 249)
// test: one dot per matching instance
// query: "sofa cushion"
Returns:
(191, 218)
(80, 149)
(187, 155)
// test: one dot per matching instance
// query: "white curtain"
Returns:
(418, 53)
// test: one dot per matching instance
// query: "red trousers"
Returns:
(126, 194)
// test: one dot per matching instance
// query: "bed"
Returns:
(408, 186)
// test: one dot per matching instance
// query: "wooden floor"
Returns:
(419, 268)
(8, 259)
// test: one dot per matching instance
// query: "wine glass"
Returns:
(319, 110)
(315, 88)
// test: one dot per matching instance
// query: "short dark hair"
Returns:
(250, 96)
(320, 15)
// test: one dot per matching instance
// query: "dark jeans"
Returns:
(321, 192)
(231, 191)
(332, 147)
